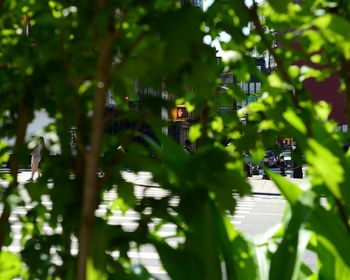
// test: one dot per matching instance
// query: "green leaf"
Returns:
(11, 266)
(275, 80)
(335, 30)
(261, 242)
(217, 124)
(237, 252)
(140, 272)
(295, 239)
(170, 150)
(179, 263)
(325, 165)
(96, 265)
(199, 213)
(293, 119)
(289, 190)
(331, 265)
(126, 193)
(93, 273)
(4, 157)
(279, 6)
(323, 109)
(335, 23)
(332, 233)
(195, 132)
(286, 261)
(84, 87)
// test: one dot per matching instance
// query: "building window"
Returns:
(245, 87)
(251, 88)
(257, 87)
(196, 3)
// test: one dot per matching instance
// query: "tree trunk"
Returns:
(92, 157)
(23, 120)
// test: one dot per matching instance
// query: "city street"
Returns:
(254, 214)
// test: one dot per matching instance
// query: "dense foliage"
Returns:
(64, 56)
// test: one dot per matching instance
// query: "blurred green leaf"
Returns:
(147, 54)
(330, 264)
(325, 165)
(237, 252)
(179, 264)
(279, 6)
(141, 272)
(286, 261)
(332, 233)
(217, 125)
(195, 132)
(289, 190)
(126, 193)
(93, 273)
(11, 266)
(295, 121)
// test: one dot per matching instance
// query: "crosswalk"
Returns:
(145, 255)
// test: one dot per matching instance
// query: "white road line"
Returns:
(238, 217)
(129, 222)
(267, 214)
(244, 208)
(246, 202)
(155, 269)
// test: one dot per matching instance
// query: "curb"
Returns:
(266, 193)
(254, 193)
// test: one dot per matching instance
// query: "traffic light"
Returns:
(179, 113)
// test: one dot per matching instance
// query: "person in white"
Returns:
(36, 157)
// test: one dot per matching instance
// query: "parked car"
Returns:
(254, 168)
(272, 159)
(287, 155)
(250, 167)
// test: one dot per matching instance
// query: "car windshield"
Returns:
(285, 154)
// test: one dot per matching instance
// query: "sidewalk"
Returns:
(261, 186)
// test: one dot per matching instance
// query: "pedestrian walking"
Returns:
(266, 165)
(282, 166)
(36, 158)
(187, 146)
(247, 169)
(298, 162)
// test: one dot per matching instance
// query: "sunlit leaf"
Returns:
(295, 121)
(279, 6)
(325, 165)
(195, 132)
(11, 266)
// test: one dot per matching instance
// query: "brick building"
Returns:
(328, 90)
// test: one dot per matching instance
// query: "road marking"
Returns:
(129, 221)
(238, 217)
(267, 214)
(244, 208)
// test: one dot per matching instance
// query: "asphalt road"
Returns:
(254, 215)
